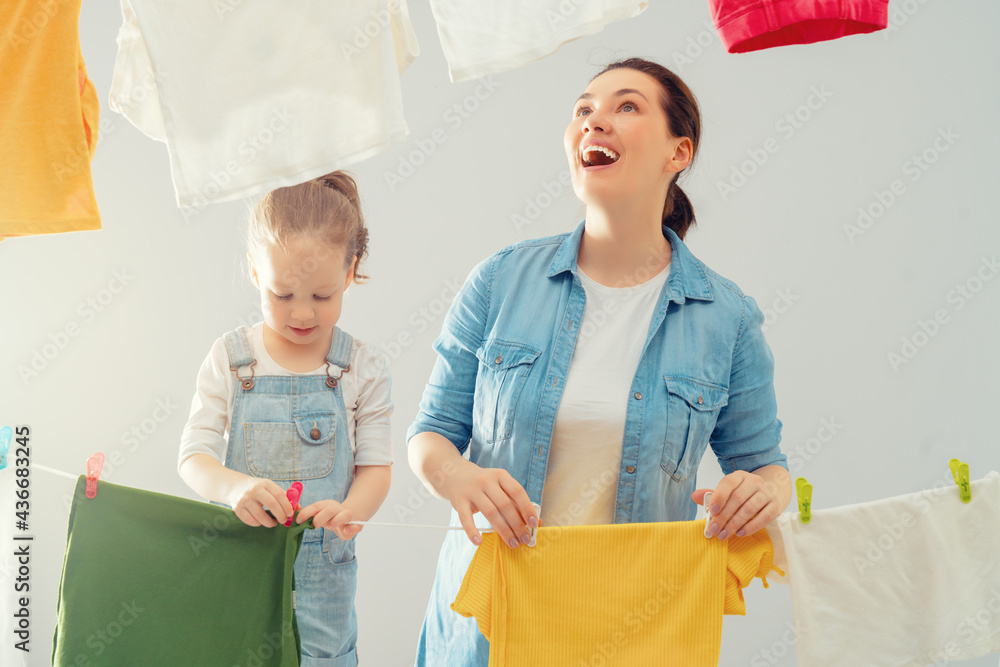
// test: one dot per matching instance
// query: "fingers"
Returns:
(699, 496)
(465, 516)
(505, 515)
(741, 504)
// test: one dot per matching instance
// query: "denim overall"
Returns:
(290, 428)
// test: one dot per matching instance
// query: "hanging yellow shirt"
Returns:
(623, 594)
(48, 121)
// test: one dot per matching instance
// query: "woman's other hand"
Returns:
(744, 502)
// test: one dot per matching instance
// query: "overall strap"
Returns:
(339, 355)
(238, 349)
(340, 348)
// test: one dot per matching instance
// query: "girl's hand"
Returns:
(495, 493)
(331, 515)
(252, 495)
(742, 504)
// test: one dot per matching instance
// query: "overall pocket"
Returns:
(503, 370)
(288, 451)
(693, 406)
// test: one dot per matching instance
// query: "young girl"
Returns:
(295, 398)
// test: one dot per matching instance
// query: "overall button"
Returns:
(314, 433)
(499, 358)
(630, 469)
(638, 396)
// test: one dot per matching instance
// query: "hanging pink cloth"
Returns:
(751, 25)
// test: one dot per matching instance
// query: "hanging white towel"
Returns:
(907, 581)
(251, 95)
(481, 37)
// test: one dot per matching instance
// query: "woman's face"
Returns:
(618, 144)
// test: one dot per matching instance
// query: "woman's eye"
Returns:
(579, 112)
(630, 105)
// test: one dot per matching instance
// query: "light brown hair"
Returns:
(327, 209)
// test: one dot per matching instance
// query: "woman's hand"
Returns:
(744, 502)
(331, 515)
(251, 495)
(495, 493)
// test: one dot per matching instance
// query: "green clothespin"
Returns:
(960, 471)
(804, 493)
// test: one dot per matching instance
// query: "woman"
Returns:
(588, 371)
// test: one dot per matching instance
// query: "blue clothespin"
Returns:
(5, 434)
(960, 471)
(804, 493)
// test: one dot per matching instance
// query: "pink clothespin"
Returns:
(94, 466)
(293, 494)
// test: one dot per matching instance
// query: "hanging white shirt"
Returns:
(581, 478)
(253, 95)
(907, 581)
(481, 37)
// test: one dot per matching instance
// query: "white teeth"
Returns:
(604, 149)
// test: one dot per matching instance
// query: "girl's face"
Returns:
(620, 112)
(302, 289)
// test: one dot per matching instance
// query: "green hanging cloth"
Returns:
(150, 578)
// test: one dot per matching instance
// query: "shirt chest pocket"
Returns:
(297, 450)
(693, 407)
(503, 370)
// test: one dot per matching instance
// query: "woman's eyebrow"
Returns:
(618, 93)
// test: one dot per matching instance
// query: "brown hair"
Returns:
(327, 208)
(683, 120)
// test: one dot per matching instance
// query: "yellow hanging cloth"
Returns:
(49, 115)
(623, 594)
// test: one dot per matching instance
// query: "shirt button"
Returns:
(499, 358)
(699, 400)
(630, 469)
(638, 397)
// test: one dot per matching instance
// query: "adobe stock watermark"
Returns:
(914, 166)
(105, 636)
(783, 300)
(894, 531)
(696, 46)
(900, 12)
(87, 311)
(778, 649)
(813, 445)
(363, 36)
(416, 498)
(419, 320)
(270, 645)
(634, 621)
(30, 25)
(453, 117)
(787, 126)
(961, 294)
(534, 206)
(250, 148)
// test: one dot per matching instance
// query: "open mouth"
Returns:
(598, 156)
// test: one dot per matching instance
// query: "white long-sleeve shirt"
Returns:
(365, 388)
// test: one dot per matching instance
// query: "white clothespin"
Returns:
(533, 532)
(706, 502)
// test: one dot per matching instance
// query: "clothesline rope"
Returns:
(39, 466)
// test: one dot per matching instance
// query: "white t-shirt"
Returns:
(581, 480)
(252, 96)
(481, 38)
(365, 388)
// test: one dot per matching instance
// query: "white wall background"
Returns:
(836, 307)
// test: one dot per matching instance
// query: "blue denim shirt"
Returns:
(705, 378)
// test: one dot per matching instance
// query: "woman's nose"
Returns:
(595, 120)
